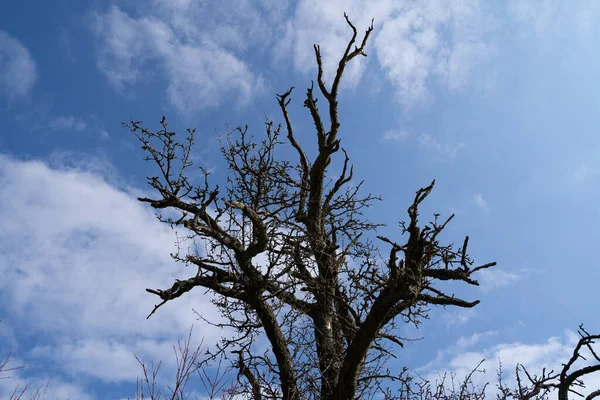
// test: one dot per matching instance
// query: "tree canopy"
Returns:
(288, 254)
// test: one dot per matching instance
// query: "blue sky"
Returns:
(499, 103)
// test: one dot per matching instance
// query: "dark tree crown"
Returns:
(327, 298)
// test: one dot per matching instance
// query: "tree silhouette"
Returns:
(287, 253)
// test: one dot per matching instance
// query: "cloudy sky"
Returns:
(498, 101)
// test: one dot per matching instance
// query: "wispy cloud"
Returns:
(428, 40)
(491, 279)
(461, 360)
(417, 44)
(537, 16)
(463, 344)
(548, 20)
(394, 136)
(444, 150)
(51, 386)
(458, 317)
(65, 44)
(64, 123)
(323, 23)
(479, 201)
(466, 342)
(18, 71)
(111, 361)
(75, 248)
(200, 73)
(68, 123)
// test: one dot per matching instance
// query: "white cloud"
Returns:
(49, 387)
(427, 140)
(465, 342)
(550, 355)
(18, 71)
(125, 44)
(406, 49)
(200, 77)
(417, 43)
(109, 360)
(443, 150)
(395, 136)
(64, 122)
(539, 15)
(78, 255)
(200, 71)
(490, 279)
(103, 133)
(549, 20)
(458, 317)
(414, 41)
(236, 25)
(585, 22)
(458, 64)
(479, 201)
(423, 40)
(315, 22)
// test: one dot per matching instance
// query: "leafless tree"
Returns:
(188, 363)
(22, 392)
(288, 254)
(527, 386)
(448, 386)
(568, 380)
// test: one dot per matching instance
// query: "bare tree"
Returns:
(188, 363)
(449, 386)
(288, 254)
(568, 380)
(22, 392)
(527, 386)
